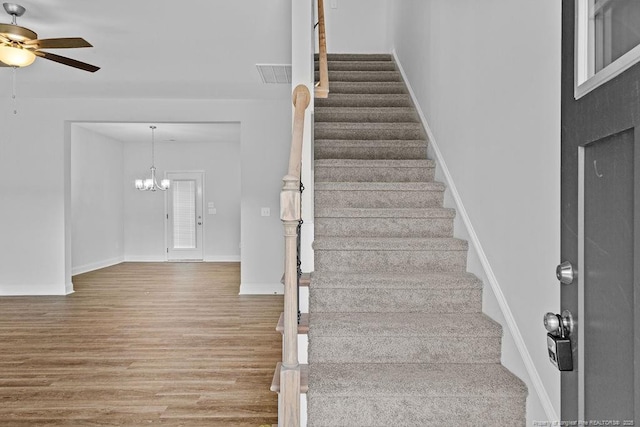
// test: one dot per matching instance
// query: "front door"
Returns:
(184, 217)
(600, 222)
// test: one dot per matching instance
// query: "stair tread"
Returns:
(362, 75)
(303, 325)
(369, 126)
(324, 212)
(369, 163)
(414, 379)
(364, 109)
(380, 186)
(357, 57)
(397, 324)
(448, 280)
(304, 378)
(373, 143)
(362, 96)
(338, 87)
(390, 244)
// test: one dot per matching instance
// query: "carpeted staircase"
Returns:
(396, 332)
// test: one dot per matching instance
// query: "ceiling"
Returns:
(157, 48)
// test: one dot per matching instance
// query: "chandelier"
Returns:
(150, 184)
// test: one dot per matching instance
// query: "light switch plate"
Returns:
(213, 211)
(334, 4)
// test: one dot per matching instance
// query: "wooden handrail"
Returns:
(290, 214)
(322, 88)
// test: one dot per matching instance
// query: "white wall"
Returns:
(35, 180)
(356, 26)
(145, 211)
(96, 200)
(487, 77)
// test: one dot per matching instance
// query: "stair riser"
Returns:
(358, 66)
(361, 76)
(378, 199)
(367, 101)
(390, 261)
(395, 300)
(369, 153)
(411, 410)
(373, 174)
(367, 88)
(384, 227)
(373, 348)
(330, 131)
(399, 115)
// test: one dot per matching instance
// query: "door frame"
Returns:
(167, 210)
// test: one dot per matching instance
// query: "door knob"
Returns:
(561, 324)
(565, 273)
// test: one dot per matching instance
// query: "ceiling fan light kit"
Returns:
(19, 46)
(16, 57)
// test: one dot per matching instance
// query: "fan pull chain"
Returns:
(14, 99)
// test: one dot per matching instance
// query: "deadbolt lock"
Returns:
(565, 273)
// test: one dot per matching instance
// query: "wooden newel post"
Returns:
(289, 410)
(289, 415)
(290, 214)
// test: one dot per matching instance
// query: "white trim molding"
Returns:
(96, 265)
(222, 258)
(477, 247)
(18, 290)
(261, 289)
(145, 258)
(585, 80)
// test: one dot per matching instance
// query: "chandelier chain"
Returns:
(153, 143)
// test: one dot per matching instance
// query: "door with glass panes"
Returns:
(600, 221)
(184, 232)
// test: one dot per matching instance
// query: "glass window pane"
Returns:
(616, 29)
(184, 214)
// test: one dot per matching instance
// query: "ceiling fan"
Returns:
(19, 46)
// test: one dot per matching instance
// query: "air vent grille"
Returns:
(275, 73)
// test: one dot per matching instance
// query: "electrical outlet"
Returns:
(265, 212)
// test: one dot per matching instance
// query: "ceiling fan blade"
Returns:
(5, 40)
(60, 43)
(67, 61)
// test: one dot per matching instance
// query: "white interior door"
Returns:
(184, 217)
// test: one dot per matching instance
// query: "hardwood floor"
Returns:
(141, 344)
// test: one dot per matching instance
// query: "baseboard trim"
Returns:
(20, 290)
(80, 269)
(145, 258)
(223, 258)
(261, 289)
(488, 271)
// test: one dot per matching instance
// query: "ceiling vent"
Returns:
(275, 73)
